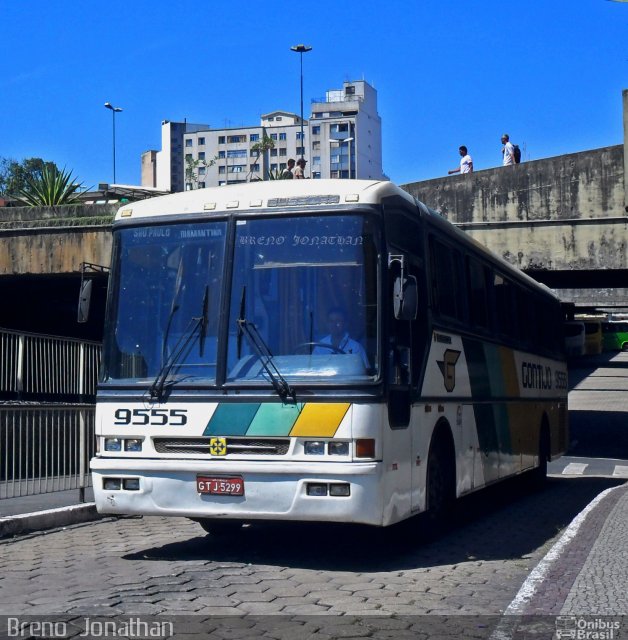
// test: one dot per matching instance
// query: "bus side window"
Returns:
(477, 294)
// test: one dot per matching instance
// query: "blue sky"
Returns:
(448, 72)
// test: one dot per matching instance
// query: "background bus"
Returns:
(574, 338)
(592, 336)
(222, 400)
(615, 335)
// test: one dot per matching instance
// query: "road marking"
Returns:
(575, 469)
(620, 471)
(539, 573)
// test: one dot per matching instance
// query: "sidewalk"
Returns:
(585, 573)
(45, 511)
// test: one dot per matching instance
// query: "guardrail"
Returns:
(45, 448)
(47, 368)
(47, 395)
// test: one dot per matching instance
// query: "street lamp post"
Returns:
(114, 110)
(301, 49)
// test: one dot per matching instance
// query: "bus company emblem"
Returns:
(218, 446)
(447, 367)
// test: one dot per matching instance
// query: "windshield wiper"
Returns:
(248, 329)
(182, 345)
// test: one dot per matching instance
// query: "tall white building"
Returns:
(342, 140)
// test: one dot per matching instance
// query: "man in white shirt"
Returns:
(466, 163)
(338, 338)
(508, 151)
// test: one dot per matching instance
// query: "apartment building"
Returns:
(342, 139)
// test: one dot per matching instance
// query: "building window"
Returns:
(273, 136)
(237, 168)
(341, 127)
(188, 156)
(316, 131)
(316, 175)
(201, 171)
(237, 153)
(188, 186)
(221, 169)
(316, 144)
(201, 155)
(283, 152)
(255, 167)
(350, 90)
(221, 139)
(279, 118)
(273, 152)
(282, 166)
(254, 137)
(282, 136)
(300, 151)
(299, 135)
(234, 139)
(316, 160)
(273, 167)
(221, 154)
(188, 142)
(201, 141)
(201, 185)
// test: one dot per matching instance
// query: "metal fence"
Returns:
(49, 368)
(47, 395)
(45, 448)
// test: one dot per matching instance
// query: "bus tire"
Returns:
(220, 527)
(441, 483)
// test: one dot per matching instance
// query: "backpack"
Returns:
(517, 153)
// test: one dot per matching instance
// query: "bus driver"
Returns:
(339, 338)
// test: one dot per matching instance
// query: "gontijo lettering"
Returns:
(536, 376)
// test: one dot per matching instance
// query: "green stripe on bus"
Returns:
(231, 419)
(274, 419)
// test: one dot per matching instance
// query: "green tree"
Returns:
(262, 147)
(54, 186)
(14, 174)
(191, 169)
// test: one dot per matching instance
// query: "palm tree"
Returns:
(54, 186)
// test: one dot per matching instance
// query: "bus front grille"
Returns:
(235, 446)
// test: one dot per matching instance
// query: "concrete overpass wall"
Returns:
(562, 213)
(54, 240)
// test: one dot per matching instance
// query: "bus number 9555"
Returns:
(152, 417)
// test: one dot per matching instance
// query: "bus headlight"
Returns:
(316, 489)
(131, 484)
(113, 444)
(338, 448)
(111, 484)
(314, 448)
(134, 444)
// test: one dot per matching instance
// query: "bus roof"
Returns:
(267, 195)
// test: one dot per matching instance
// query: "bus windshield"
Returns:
(165, 303)
(303, 303)
(308, 287)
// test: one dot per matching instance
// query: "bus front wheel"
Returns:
(219, 527)
(441, 489)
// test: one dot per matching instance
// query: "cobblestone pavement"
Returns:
(169, 566)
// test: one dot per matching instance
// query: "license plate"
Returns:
(227, 486)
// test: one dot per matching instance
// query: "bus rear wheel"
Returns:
(220, 527)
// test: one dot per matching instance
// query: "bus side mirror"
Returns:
(405, 298)
(85, 297)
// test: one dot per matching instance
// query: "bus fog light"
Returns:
(340, 489)
(365, 448)
(314, 448)
(338, 448)
(131, 484)
(316, 489)
(113, 444)
(135, 444)
(111, 484)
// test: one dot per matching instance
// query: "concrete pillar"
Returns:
(625, 100)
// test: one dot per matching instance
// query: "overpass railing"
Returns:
(47, 396)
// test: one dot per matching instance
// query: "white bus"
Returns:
(224, 396)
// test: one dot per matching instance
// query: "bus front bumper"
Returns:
(272, 490)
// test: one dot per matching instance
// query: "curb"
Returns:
(50, 519)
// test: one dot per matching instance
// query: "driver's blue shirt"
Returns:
(346, 345)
